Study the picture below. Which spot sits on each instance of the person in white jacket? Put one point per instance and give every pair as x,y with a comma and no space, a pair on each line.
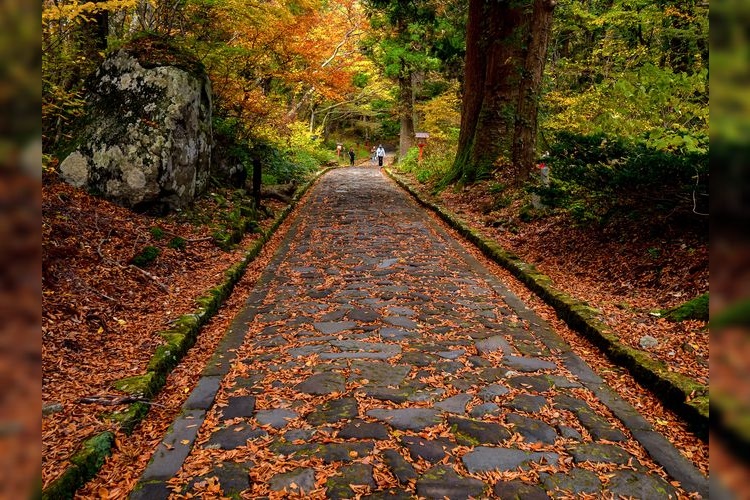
380,153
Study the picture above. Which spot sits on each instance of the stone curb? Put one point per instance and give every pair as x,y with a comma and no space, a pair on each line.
91,455
684,396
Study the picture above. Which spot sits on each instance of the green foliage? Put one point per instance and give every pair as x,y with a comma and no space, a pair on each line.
497,187
145,257
502,201
528,213
595,176
221,201
306,152
409,162
422,175
230,141
157,233
599,162
654,252
177,243
290,158
632,69
433,167
360,80
237,218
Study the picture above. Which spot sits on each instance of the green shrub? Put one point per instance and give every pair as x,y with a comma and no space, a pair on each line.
582,213
596,176
145,257
606,163
497,187
526,214
157,233
220,200
409,162
423,175
501,202
177,243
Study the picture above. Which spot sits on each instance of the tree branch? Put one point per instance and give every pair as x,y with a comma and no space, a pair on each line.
338,47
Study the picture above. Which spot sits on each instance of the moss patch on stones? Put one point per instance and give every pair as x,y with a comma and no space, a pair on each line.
696,308
86,462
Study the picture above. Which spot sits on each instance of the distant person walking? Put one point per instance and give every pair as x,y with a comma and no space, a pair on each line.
380,152
373,156
351,157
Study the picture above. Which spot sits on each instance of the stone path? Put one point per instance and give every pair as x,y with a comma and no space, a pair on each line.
378,358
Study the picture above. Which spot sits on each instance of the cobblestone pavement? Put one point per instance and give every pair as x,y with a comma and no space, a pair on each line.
377,358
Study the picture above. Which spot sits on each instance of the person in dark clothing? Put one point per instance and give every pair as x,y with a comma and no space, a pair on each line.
351,157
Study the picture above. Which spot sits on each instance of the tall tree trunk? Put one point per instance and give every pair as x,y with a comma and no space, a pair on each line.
406,112
475,71
490,71
494,134
501,87
417,85
257,175
524,135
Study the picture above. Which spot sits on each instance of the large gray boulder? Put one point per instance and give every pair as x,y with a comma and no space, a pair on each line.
147,139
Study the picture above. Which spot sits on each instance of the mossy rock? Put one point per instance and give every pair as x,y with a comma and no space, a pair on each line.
131,417
138,385
696,309
86,462
168,355
187,324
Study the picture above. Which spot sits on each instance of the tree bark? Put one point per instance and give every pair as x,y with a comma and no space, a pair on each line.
492,75
494,134
475,72
257,172
524,135
506,48
406,112
92,35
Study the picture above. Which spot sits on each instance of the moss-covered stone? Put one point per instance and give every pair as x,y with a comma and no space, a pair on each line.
64,487
86,463
147,139
187,324
137,385
696,308
166,356
131,417
235,272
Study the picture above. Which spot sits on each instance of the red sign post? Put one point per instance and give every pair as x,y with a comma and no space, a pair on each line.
421,142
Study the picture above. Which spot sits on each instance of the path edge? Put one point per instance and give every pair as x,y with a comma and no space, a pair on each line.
686,397
91,455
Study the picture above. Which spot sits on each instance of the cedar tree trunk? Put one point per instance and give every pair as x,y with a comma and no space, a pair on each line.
406,112
524,135
502,71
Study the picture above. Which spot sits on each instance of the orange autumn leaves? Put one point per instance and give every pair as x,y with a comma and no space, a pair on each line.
276,57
